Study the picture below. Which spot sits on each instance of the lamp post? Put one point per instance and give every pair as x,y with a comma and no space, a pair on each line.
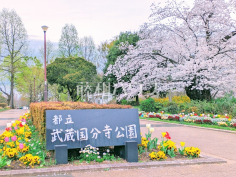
45,71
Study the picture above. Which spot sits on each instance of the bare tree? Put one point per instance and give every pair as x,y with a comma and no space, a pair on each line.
68,42
87,49
50,52
102,52
13,37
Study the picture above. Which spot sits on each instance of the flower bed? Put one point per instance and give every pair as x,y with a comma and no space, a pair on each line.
220,120
166,150
21,148
19,143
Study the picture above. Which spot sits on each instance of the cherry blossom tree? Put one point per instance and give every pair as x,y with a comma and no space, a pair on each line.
183,46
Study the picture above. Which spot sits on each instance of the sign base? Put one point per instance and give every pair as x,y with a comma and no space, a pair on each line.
61,154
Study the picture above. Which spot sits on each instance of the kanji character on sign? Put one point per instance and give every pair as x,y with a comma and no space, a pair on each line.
69,120
107,130
56,135
119,134
95,132
69,136
57,120
82,134
132,133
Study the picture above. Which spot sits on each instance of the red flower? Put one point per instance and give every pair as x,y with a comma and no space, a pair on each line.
20,125
7,129
167,136
195,114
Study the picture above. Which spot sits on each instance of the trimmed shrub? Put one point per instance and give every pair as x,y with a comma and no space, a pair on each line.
172,108
3,105
159,106
163,101
234,112
148,105
181,99
126,102
38,111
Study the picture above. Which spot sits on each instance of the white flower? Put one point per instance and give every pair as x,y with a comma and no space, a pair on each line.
23,123
97,149
151,130
97,153
99,157
148,125
87,155
108,150
8,124
104,153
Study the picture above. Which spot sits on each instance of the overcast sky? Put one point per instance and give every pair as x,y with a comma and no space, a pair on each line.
101,19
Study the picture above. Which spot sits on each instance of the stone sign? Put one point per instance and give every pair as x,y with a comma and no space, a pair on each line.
97,127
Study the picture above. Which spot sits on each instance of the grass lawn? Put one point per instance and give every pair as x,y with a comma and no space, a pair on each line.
188,123
3,110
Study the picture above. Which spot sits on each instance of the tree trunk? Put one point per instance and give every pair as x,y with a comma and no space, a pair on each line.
136,100
12,94
170,96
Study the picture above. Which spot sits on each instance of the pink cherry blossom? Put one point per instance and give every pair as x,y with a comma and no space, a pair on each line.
179,46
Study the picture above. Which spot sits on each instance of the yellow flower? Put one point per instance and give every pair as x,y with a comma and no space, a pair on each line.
17,122
28,134
182,144
163,134
229,119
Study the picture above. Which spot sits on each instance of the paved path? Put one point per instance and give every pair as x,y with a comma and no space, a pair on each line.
214,143
8,116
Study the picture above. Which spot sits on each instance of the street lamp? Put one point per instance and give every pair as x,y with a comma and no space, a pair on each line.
45,71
